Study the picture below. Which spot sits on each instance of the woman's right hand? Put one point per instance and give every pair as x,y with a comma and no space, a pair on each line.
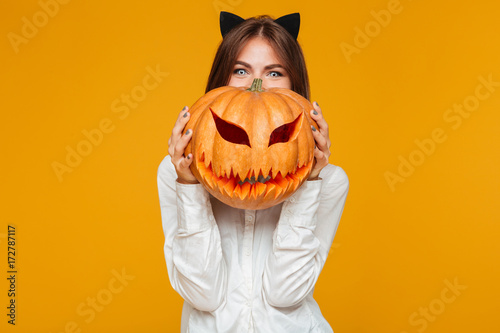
176,146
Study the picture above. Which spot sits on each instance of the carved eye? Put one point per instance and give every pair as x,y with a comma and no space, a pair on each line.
286,132
230,132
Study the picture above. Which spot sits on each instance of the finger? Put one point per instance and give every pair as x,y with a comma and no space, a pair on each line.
322,155
179,125
317,116
321,159
321,162
182,144
182,114
323,128
322,142
181,122
184,174
186,162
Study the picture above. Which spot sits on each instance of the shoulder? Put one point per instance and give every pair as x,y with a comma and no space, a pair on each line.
166,171
166,165
334,177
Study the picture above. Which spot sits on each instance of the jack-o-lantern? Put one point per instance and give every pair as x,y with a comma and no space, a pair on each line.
251,148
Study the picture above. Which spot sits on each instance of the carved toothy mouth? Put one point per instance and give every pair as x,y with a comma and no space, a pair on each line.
253,185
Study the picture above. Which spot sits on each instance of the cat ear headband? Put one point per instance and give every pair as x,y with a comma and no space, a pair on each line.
290,22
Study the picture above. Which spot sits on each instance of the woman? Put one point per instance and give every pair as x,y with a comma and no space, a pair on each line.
246,270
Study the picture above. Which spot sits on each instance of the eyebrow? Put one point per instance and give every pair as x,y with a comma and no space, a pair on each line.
239,62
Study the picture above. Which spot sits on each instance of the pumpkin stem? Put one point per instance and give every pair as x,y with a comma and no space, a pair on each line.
256,85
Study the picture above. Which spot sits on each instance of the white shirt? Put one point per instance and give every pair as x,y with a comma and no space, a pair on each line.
249,270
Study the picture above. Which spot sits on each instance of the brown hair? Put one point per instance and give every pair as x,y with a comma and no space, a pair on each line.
286,47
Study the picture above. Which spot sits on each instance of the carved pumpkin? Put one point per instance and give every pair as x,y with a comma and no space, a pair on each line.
251,148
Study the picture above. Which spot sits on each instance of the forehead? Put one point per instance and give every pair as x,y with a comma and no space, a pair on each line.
258,51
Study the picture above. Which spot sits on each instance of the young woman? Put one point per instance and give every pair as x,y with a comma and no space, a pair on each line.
246,270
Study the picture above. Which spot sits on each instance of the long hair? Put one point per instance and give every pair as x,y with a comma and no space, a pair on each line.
286,47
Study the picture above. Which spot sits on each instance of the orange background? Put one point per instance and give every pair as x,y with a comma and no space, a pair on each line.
422,212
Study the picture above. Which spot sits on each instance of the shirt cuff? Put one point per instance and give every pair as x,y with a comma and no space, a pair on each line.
194,211
300,209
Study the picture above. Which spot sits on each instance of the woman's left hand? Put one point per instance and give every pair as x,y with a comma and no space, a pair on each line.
322,150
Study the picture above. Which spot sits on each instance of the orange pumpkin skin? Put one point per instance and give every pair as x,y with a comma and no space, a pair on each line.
278,151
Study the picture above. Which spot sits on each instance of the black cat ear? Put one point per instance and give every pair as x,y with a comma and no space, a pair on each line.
291,23
228,21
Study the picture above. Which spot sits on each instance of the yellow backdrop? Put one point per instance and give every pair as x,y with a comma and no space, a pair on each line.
89,94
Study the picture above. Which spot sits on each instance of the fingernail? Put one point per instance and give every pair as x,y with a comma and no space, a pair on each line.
185,115
188,132
188,157
315,147
315,112
184,108
313,128
316,103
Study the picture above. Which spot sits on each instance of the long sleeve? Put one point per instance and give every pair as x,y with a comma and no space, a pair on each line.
193,254
303,237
